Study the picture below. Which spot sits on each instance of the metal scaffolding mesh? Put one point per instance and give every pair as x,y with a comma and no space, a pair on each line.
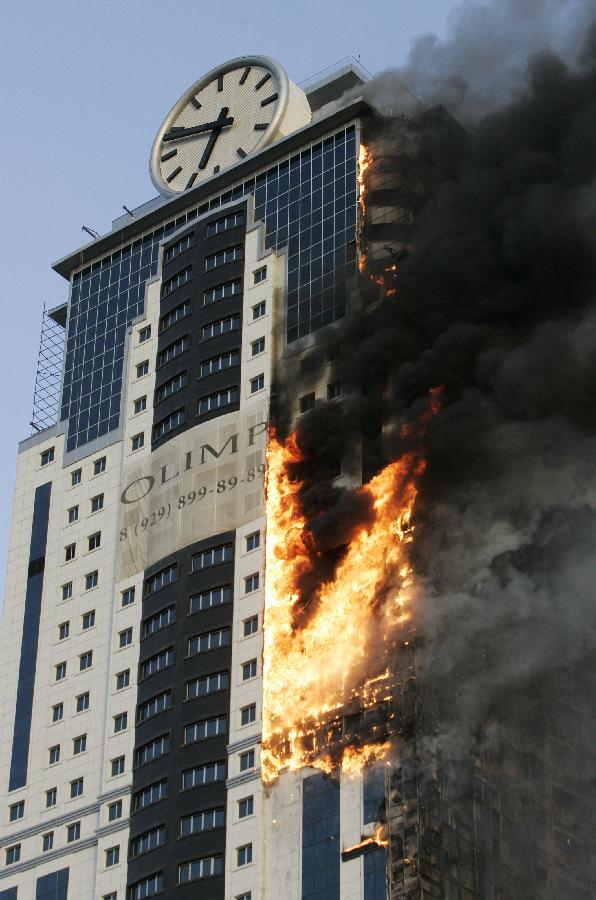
46,397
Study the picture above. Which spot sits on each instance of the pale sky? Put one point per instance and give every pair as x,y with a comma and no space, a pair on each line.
85,86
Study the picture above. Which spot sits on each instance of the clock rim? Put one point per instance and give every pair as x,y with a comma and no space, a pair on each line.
284,95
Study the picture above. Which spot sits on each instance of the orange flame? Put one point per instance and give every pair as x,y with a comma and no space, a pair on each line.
379,839
364,161
310,673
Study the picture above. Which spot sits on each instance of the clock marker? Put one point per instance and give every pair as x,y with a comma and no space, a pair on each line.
262,126
263,81
176,171
191,181
215,170
195,103
241,153
169,155
245,75
270,99
220,83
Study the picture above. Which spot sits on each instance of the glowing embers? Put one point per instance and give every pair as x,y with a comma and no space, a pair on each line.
326,657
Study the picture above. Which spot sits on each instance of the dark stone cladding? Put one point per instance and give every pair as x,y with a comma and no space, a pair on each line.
183,712
199,350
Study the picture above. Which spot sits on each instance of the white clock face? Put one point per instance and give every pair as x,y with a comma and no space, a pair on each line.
216,126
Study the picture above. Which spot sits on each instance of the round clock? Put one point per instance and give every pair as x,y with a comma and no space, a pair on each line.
227,115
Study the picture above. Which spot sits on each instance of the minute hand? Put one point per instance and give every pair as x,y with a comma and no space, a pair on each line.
176,134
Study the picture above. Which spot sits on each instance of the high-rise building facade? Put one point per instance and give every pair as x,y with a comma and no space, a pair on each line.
133,615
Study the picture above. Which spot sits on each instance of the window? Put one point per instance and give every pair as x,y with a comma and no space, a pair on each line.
122,679
257,346
85,660
67,590
73,832
137,441
221,362
251,583
173,350
128,596
60,670
76,476
219,400
143,368
91,580
16,810
120,722
153,750
221,326
88,619
79,744
222,291
200,868
63,631
207,684
117,766
171,386
157,663
207,820
47,456
70,552
247,760
308,364
160,620
95,540
13,854
76,788
248,714
156,705
260,275
245,807
115,811
250,626
230,254
212,557
148,841
57,712
249,669
213,640
113,895
51,797
164,426
97,503
207,728
205,774
99,465
224,224
82,702
150,795
140,404
175,315
73,514
207,599
257,384
179,247
259,310
47,841
245,896
176,281
334,390
148,887
144,333
244,855
112,856
161,579
307,402
125,638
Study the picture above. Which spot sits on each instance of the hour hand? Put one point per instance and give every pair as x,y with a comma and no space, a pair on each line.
175,133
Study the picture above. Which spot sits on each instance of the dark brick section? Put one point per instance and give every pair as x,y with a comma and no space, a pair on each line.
199,350
183,712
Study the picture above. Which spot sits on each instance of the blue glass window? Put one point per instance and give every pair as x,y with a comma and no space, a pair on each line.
320,838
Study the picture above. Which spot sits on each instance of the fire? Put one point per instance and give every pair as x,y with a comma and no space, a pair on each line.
364,161
338,657
378,839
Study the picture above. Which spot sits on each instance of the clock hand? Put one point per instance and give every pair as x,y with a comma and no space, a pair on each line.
218,125
175,134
